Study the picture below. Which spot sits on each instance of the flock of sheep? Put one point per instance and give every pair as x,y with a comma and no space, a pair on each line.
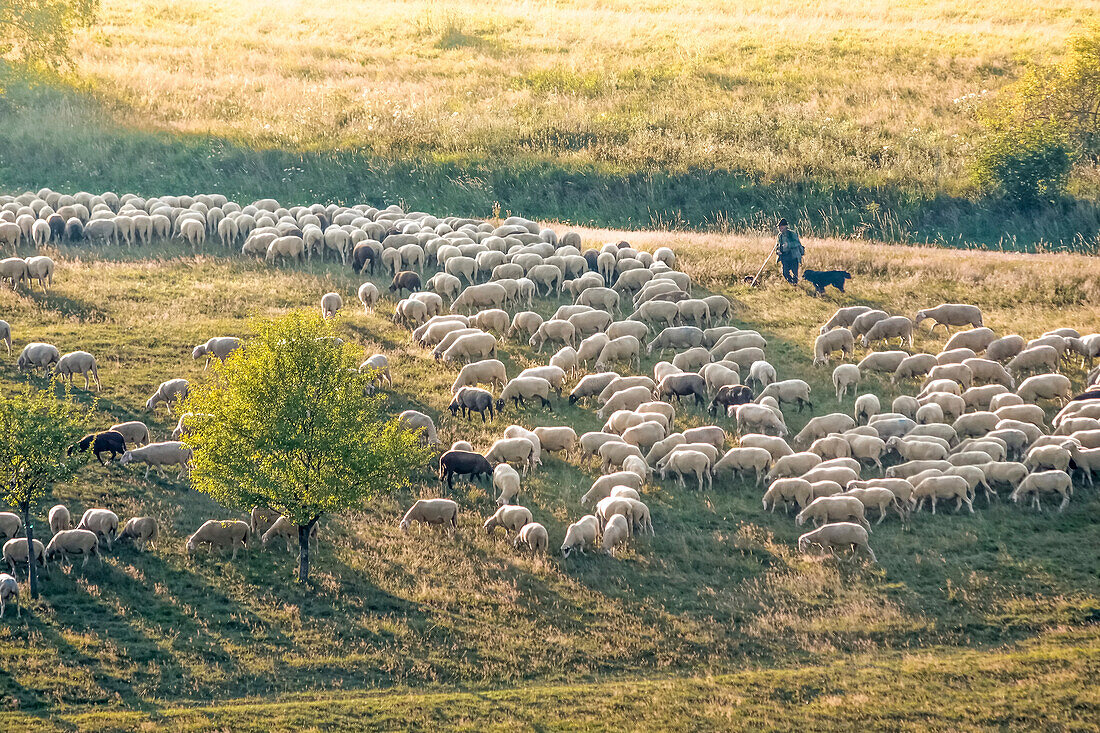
967,426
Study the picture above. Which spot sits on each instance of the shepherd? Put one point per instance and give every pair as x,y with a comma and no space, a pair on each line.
789,250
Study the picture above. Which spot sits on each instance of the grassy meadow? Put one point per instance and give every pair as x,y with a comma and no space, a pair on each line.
854,119
983,621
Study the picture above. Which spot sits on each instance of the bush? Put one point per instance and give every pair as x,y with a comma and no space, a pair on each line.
1030,163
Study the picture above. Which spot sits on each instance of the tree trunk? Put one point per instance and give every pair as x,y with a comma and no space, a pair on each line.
303,549
32,570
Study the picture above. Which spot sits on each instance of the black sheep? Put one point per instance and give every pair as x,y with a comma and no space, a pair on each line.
405,280
591,256
729,395
462,463
109,441
74,230
682,385
57,227
472,399
361,256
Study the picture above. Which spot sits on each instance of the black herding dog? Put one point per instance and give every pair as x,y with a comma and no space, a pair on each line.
822,279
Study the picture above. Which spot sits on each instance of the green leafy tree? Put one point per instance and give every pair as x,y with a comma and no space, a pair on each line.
288,426
36,429
1036,128
38,32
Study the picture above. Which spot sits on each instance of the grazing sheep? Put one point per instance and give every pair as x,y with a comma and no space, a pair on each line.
615,533
14,269
866,406
510,516
591,385
581,535
976,339
788,391
462,463
819,427
100,443
433,512
845,376
836,536
470,400
73,542
330,304
676,337
405,280
506,482
624,348
487,371
288,531
1035,358
1044,482
882,361
1045,457
173,389
368,296
745,459
682,385
554,331
103,522
899,327
143,531
1004,348
219,347
1046,387
533,536
935,488
261,519
219,533
916,365
417,421
839,339
628,398
59,518
789,491
684,462
833,509
844,317
514,450
9,591
5,335
761,373
521,389
41,269
752,417
905,405
37,354
950,314
556,439
156,455
15,553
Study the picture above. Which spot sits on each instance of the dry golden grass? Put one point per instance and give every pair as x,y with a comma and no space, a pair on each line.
859,90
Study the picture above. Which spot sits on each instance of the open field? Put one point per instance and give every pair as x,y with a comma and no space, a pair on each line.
970,621
856,119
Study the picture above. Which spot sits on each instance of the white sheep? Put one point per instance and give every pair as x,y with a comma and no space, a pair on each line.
330,304
844,317
15,553
844,377
5,335
951,314
37,354
833,509
581,535
685,462
219,533
143,531
1046,387
836,536
103,522
947,487
173,389
486,371
156,455
514,450
417,421
510,516
533,536
744,460
73,542
288,531
368,296
615,533
758,418
838,339
1044,482
433,512
59,518
866,406
9,591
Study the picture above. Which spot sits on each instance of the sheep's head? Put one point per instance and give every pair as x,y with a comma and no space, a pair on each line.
127,458
199,351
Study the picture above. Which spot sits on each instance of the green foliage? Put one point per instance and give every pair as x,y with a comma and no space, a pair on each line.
1039,126
1027,164
287,425
37,32
36,428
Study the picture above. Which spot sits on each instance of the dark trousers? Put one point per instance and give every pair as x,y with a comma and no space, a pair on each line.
790,270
